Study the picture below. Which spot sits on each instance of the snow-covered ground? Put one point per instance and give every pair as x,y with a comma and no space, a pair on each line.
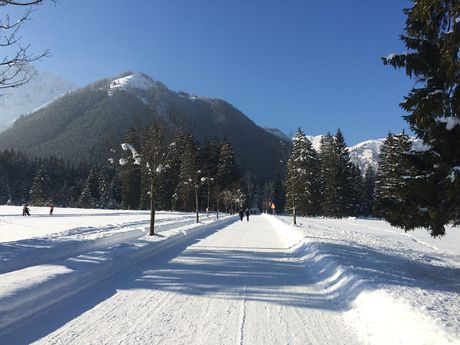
94,277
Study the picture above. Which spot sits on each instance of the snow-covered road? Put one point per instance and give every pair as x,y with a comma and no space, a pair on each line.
240,284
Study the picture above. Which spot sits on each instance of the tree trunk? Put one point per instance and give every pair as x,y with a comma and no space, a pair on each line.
196,205
152,208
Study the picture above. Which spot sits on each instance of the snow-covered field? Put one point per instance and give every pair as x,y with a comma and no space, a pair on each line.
94,277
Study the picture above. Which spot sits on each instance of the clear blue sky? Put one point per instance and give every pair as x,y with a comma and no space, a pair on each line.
308,63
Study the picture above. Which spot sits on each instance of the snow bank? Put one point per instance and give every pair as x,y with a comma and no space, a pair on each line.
33,289
392,287
381,319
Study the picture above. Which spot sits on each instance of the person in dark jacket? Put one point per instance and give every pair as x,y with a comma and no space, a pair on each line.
25,210
241,215
247,214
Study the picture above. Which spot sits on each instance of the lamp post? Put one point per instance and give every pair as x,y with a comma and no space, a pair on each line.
196,195
208,180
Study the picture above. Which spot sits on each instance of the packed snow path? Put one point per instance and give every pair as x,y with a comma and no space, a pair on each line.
237,285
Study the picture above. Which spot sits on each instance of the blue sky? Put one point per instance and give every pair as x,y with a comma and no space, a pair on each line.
285,64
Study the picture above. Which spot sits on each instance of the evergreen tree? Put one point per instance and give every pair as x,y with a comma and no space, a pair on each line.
367,193
228,172
347,178
328,173
90,195
356,191
104,190
40,188
432,37
302,183
188,176
393,199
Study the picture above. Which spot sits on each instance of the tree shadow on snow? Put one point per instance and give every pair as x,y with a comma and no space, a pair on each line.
269,275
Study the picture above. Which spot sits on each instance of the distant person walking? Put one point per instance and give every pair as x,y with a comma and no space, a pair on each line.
25,210
247,214
51,206
241,215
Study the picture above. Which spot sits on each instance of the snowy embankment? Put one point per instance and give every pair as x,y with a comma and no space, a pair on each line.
394,288
38,272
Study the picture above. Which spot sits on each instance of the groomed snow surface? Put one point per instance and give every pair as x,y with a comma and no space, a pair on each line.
96,277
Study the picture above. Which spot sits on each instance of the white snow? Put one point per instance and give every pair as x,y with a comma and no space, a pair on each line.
315,141
132,81
451,122
94,277
390,57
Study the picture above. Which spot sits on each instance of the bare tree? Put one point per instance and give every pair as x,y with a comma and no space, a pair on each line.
14,59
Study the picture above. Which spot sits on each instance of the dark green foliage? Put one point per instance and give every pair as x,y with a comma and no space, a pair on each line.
432,37
40,181
189,175
393,197
367,192
302,183
91,195
39,191
329,181
279,194
341,181
228,172
347,178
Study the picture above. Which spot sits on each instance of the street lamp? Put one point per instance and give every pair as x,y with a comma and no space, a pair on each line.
208,180
196,195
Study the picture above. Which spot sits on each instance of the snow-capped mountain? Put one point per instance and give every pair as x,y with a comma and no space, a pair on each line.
366,154
42,89
84,125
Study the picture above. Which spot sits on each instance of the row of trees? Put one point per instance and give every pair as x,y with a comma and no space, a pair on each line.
180,175
327,183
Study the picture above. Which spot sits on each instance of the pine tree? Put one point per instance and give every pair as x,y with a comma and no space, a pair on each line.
104,190
346,178
188,176
40,188
228,172
393,197
367,193
302,182
328,173
432,37
355,188
90,195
